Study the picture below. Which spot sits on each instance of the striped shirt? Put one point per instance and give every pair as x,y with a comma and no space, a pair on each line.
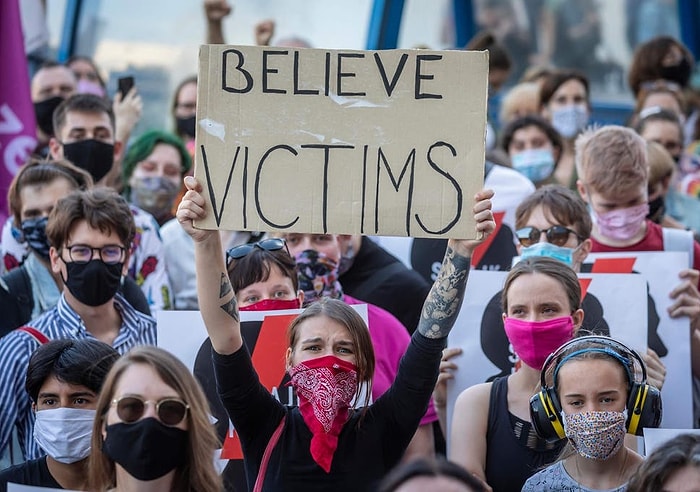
16,348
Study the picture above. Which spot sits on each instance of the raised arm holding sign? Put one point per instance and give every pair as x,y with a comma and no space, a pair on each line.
312,448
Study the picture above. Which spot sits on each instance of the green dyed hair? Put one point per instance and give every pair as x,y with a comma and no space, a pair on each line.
144,145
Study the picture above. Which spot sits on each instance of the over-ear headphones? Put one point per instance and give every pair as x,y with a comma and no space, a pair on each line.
643,404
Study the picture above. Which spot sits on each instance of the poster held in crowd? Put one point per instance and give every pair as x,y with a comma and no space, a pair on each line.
486,351
337,141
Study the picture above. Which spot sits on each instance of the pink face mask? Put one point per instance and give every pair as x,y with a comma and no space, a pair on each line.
533,341
272,305
621,224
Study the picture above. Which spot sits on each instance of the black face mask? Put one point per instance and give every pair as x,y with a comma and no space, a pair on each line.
680,73
146,449
91,155
34,232
186,126
93,283
44,113
657,209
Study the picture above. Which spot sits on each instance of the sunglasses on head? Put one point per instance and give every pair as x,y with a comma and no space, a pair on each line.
242,250
170,411
557,235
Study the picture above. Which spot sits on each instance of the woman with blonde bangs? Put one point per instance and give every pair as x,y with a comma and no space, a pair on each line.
152,430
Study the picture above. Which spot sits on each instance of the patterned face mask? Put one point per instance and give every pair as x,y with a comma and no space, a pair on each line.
325,387
596,435
318,276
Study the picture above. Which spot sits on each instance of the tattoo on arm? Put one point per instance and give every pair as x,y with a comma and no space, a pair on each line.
225,286
445,298
231,308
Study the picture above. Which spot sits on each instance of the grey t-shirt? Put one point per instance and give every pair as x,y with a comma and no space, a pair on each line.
555,478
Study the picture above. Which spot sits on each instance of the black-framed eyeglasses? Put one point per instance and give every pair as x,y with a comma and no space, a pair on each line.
170,411
557,235
82,253
242,250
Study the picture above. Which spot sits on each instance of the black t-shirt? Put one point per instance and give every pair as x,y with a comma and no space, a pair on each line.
381,279
34,472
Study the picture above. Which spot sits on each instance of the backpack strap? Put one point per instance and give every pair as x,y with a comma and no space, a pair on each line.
679,240
266,455
35,334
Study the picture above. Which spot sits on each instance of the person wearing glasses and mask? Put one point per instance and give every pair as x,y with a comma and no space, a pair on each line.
152,430
90,232
64,378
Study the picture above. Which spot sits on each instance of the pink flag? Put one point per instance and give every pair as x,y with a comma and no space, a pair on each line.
17,124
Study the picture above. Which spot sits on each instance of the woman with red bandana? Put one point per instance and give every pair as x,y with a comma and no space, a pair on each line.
324,443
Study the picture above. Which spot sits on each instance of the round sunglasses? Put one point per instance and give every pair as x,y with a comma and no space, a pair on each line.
170,411
557,235
270,244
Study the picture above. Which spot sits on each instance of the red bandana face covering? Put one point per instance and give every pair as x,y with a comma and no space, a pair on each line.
272,305
325,387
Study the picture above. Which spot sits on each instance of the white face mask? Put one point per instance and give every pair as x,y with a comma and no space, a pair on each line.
65,433
569,120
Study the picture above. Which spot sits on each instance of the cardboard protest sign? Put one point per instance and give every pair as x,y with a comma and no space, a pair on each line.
183,334
486,352
325,141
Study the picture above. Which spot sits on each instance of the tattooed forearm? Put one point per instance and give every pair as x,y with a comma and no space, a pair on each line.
445,298
231,308
225,286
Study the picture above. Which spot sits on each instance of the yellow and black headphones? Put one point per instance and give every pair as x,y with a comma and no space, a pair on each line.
643,404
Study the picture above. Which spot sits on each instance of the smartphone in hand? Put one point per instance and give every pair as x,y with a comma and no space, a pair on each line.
124,85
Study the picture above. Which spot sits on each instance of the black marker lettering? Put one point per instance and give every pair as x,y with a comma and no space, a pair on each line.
296,78
266,71
212,197
458,189
245,189
421,76
411,159
341,75
390,86
257,188
364,188
328,75
326,159
239,68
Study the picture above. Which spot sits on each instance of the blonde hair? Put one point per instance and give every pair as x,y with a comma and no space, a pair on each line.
611,159
513,100
661,163
198,473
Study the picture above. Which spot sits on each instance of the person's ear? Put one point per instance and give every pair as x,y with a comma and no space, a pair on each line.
118,149
127,257
581,190
288,359
55,148
582,252
34,406
300,297
578,320
503,317
54,257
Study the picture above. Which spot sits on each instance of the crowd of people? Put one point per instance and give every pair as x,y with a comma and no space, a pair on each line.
101,237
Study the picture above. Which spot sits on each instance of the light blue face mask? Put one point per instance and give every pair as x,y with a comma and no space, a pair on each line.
543,248
535,164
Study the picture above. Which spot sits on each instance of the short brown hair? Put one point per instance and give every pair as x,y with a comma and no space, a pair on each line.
43,172
646,62
345,315
555,269
198,473
256,265
565,206
612,159
81,103
661,164
556,79
102,208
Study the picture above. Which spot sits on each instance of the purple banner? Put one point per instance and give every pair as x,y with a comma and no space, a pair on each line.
17,124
